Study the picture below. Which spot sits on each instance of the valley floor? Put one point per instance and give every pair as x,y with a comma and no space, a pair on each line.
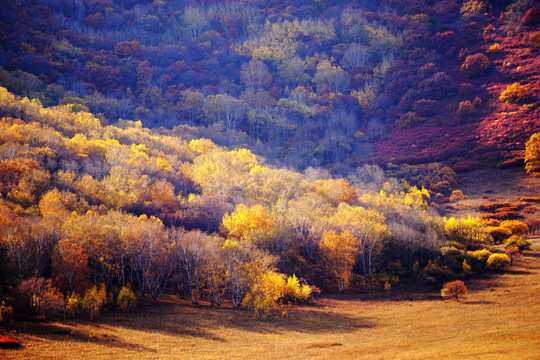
498,320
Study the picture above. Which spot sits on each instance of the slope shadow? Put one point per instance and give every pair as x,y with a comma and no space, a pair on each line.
168,318
199,320
56,332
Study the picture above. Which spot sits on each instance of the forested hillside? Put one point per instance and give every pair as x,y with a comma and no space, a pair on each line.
255,151
306,83
84,204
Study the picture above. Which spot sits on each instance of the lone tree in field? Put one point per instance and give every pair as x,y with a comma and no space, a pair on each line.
454,289
458,195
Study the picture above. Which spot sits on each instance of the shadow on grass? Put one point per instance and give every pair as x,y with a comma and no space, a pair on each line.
183,319
517,272
477,302
67,332
168,318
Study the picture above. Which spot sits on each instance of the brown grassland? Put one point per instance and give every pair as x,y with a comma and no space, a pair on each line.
499,319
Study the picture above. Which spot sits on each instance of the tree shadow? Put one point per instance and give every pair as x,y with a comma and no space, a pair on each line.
517,272
172,319
68,332
185,319
305,319
477,302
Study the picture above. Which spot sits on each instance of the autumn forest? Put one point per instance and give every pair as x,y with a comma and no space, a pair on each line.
258,154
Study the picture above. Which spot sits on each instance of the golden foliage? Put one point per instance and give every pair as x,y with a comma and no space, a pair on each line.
245,220
126,299
532,154
340,252
497,262
94,300
514,93
334,191
467,231
266,288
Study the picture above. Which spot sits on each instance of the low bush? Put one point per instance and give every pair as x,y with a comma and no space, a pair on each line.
465,109
294,292
516,227
475,65
495,207
408,120
435,274
505,215
493,48
499,234
519,242
529,199
7,342
529,210
6,312
480,255
497,262
514,93
126,300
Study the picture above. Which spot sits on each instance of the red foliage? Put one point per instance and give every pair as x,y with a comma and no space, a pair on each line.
11,171
128,48
531,17
509,215
530,199
7,342
529,210
501,207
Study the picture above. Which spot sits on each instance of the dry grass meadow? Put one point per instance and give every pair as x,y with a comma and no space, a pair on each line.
498,320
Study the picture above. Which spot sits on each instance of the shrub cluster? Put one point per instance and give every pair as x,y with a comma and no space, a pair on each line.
514,93
497,262
409,120
475,65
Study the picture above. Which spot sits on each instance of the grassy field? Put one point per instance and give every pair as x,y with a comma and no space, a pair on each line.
498,320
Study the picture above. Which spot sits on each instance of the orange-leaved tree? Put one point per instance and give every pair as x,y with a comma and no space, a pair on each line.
454,289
